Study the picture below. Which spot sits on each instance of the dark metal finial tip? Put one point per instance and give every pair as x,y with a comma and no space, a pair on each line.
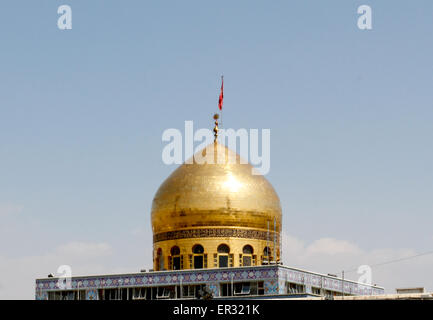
215,129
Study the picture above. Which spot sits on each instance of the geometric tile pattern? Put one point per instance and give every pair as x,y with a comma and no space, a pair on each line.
271,286
273,276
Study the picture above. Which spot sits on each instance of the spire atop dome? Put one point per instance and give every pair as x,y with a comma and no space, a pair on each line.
215,129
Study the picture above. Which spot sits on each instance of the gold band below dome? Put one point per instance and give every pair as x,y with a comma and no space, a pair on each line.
216,233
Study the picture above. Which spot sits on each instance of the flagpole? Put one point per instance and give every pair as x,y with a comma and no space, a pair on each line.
222,84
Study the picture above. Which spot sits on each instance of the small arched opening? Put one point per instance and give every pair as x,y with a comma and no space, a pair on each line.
198,256
223,255
175,258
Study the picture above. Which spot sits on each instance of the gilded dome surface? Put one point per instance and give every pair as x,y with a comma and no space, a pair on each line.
224,194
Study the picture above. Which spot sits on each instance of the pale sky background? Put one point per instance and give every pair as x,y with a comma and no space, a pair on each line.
82,113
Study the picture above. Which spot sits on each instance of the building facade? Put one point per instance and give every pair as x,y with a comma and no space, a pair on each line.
270,281
216,233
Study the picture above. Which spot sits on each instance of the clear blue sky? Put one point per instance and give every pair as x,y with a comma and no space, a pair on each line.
82,113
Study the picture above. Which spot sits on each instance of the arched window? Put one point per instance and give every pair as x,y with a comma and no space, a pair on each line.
175,251
223,255
267,255
223,248
198,256
197,249
248,249
175,258
247,256
159,260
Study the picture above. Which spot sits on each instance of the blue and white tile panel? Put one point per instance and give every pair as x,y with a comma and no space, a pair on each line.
329,283
274,278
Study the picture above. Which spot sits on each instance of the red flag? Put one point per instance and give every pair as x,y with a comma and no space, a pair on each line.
220,103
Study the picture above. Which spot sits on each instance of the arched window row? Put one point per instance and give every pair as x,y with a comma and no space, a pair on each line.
198,259
222,248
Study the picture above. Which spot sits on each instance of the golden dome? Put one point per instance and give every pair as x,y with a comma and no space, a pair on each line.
225,194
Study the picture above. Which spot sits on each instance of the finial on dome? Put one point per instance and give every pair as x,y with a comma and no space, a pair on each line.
215,129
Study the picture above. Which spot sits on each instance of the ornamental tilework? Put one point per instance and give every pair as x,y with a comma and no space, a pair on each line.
41,295
282,286
214,288
271,287
262,273
162,279
92,295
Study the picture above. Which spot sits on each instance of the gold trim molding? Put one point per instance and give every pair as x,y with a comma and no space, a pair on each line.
216,233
